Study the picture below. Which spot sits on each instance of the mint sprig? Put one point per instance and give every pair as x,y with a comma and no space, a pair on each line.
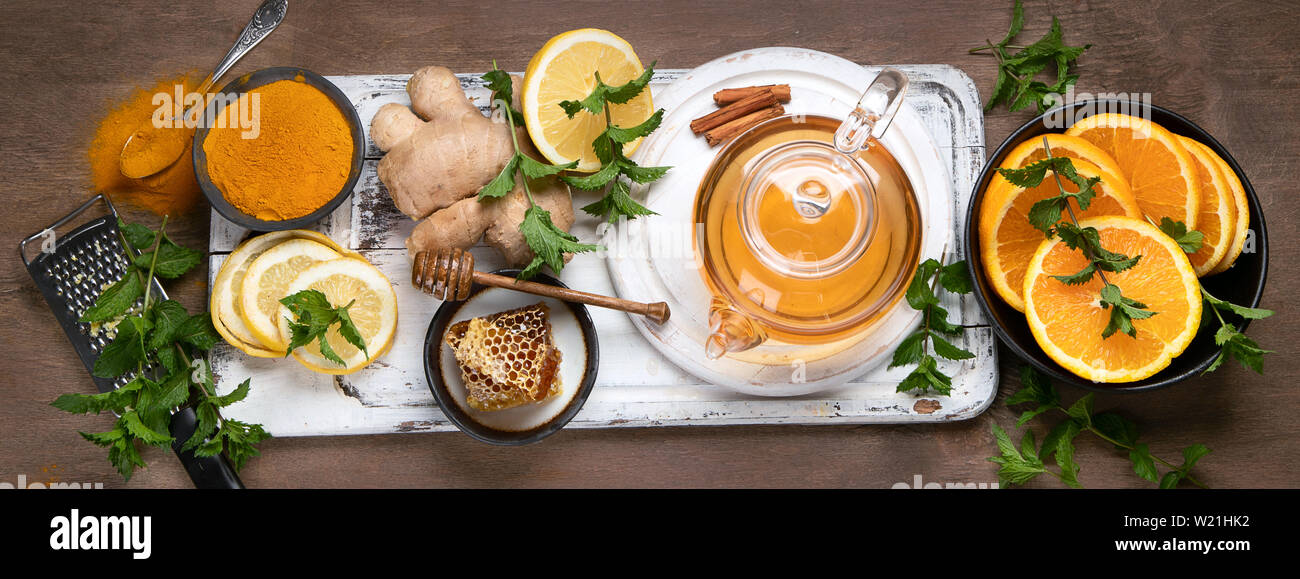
1019,465
608,145
1016,84
1045,215
548,242
935,327
313,316
159,334
1232,342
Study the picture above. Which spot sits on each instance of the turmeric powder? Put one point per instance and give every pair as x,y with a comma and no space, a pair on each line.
172,191
299,159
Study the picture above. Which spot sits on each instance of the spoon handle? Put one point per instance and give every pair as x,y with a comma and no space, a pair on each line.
268,16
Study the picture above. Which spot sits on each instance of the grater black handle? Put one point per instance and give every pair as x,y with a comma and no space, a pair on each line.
207,472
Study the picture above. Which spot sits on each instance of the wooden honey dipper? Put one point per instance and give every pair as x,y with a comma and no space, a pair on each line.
449,274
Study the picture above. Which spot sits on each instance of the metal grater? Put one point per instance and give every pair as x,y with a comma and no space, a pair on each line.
71,270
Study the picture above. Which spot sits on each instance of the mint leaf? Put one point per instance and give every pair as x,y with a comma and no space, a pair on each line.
130,422
1143,464
137,236
503,183
534,169
617,202
627,135
1122,311
173,260
125,353
117,299
910,350
548,242
595,180
1189,241
1243,311
313,317
955,278
197,331
945,349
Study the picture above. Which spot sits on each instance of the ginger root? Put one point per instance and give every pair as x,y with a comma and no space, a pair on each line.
440,152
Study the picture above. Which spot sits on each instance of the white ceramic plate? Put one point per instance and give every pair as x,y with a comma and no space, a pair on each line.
820,84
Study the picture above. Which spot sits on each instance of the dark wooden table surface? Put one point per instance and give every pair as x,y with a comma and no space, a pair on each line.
1227,65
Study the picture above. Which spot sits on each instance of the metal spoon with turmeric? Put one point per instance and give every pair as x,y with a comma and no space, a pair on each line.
153,148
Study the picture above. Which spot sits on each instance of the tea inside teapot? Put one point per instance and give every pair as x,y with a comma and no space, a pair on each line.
801,243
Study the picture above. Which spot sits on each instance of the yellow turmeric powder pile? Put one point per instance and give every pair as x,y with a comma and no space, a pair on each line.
296,159
173,191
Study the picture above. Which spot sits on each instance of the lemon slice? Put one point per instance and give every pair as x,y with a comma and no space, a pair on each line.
564,69
267,281
373,311
225,303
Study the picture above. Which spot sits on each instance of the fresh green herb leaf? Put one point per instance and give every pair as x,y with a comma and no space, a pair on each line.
117,299
534,169
1016,467
955,278
1243,311
313,318
549,242
503,183
172,262
935,325
126,352
617,202
1115,429
1189,241
503,88
1143,465
1122,311
137,236
130,422
596,180
1015,82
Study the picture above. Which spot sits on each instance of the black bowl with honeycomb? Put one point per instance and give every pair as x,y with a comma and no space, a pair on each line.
551,343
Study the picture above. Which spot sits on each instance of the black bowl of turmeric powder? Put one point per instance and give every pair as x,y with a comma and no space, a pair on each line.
279,148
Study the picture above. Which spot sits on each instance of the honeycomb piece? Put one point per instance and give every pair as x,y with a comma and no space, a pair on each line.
507,359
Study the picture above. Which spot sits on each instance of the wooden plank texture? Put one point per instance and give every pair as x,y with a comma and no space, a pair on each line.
1227,65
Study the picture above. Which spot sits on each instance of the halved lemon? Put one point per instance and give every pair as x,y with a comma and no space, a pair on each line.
1159,170
225,304
1008,240
564,69
1067,320
267,280
373,311
1217,219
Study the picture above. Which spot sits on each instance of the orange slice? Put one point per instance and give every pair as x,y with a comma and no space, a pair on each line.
1242,211
1217,218
1007,240
1067,320
1159,170
1031,151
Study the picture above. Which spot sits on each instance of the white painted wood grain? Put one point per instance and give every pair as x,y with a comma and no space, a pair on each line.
636,386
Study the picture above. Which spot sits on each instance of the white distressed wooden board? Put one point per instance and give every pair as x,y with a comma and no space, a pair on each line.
636,386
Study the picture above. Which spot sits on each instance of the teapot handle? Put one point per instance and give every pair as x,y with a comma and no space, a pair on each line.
873,113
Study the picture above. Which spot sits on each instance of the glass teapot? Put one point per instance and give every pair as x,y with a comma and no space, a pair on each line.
810,227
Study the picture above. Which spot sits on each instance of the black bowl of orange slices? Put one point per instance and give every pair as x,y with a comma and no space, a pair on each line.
1145,156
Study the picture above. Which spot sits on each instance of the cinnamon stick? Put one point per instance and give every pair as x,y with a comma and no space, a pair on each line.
727,96
728,131
761,99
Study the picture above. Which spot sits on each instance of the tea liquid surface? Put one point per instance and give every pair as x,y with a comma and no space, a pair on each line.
783,264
